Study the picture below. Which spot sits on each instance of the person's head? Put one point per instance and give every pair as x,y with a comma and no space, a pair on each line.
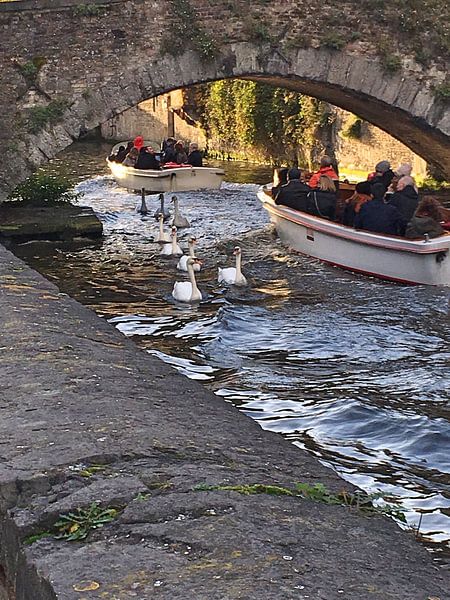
378,191
121,149
280,176
134,152
363,187
325,161
404,169
171,141
293,173
149,150
430,207
143,150
383,166
179,146
193,147
326,184
404,182
129,146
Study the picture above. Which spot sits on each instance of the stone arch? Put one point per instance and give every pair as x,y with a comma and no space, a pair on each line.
403,103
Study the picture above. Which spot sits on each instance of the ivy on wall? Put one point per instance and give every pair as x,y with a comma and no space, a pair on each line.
246,119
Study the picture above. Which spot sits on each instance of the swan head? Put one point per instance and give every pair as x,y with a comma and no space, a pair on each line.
161,197
237,250
161,217
174,231
174,199
192,240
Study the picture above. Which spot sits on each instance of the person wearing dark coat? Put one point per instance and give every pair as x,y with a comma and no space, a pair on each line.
378,217
294,192
147,159
383,174
168,151
195,157
321,202
405,199
426,220
280,178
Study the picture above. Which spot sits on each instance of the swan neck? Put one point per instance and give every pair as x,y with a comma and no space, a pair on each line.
238,264
192,279
191,250
161,228
175,205
174,243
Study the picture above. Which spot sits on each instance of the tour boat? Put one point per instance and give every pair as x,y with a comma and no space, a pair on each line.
183,178
424,261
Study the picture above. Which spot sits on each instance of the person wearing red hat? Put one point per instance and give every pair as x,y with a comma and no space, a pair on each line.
138,142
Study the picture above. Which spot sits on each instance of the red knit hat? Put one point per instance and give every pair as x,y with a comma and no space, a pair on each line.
138,142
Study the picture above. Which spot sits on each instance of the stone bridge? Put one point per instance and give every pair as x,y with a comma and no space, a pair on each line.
68,67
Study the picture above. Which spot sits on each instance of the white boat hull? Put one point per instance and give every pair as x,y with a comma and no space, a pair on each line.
183,179
386,257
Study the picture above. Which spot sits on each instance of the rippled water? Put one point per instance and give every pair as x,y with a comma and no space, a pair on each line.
352,369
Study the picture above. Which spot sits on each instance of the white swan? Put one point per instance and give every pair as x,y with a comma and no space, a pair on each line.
162,236
187,291
233,275
162,210
178,220
182,263
172,248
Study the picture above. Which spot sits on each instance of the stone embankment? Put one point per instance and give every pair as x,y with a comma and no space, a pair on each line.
87,418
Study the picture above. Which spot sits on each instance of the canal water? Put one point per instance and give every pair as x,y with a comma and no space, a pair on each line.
352,369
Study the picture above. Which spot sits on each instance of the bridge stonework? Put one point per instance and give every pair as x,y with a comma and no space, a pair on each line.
83,64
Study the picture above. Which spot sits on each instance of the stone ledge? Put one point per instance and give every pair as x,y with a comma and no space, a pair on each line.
40,5
76,392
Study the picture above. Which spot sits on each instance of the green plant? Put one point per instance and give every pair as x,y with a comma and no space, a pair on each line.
442,91
300,40
354,130
334,41
88,10
248,490
42,190
35,538
256,30
40,116
78,524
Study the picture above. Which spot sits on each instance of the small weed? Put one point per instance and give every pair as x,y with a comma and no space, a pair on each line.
88,10
78,524
160,485
42,189
249,489
300,40
390,60
35,538
256,30
354,131
334,41
442,91
142,497
40,116
92,470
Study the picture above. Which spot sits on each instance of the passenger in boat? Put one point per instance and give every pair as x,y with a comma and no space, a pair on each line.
326,168
426,220
322,200
131,157
405,170
195,157
168,149
352,205
113,157
147,159
123,151
383,174
406,198
379,217
138,142
280,178
294,192
180,153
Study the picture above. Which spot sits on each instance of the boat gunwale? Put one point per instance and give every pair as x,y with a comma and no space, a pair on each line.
154,174
358,236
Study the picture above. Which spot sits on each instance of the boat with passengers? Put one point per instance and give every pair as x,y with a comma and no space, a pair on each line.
418,261
179,178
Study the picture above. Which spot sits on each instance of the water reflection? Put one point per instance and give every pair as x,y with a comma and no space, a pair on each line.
351,369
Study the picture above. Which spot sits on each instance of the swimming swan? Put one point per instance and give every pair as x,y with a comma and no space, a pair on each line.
172,248
162,236
187,291
182,263
162,210
178,220
233,275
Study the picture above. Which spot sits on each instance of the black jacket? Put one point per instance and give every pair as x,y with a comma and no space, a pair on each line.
195,159
146,161
293,194
405,201
419,226
322,204
386,178
379,217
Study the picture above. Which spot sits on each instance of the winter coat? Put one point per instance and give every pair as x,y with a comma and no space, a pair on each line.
405,201
293,194
321,204
419,226
195,159
147,161
353,206
384,178
379,217
329,171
